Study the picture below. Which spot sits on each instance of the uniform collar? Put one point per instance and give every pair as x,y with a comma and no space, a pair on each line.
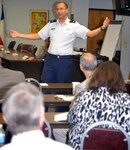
66,21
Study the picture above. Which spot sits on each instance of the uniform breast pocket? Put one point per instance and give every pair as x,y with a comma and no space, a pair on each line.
52,32
68,33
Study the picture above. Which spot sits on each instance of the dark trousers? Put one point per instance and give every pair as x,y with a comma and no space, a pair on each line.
57,69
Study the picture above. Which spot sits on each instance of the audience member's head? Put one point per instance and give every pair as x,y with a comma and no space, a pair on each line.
108,74
23,108
88,63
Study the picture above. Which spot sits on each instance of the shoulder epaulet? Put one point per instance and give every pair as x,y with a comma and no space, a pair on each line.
53,21
72,21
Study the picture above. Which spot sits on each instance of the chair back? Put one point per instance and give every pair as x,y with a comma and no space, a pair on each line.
8,136
19,47
128,87
34,82
46,129
11,45
104,138
27,48
5,63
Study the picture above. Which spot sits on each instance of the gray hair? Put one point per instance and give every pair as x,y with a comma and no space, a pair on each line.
88,61
21,107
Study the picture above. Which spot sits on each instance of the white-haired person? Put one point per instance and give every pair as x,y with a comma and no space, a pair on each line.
23,111
88,63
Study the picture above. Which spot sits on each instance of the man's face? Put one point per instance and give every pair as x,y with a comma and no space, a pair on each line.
61,10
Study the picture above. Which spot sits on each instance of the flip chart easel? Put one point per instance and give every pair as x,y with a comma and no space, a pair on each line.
111,39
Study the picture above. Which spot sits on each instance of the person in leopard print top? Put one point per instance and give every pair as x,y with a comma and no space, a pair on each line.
105,99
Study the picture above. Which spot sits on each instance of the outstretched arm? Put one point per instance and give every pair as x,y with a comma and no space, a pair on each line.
95,32
33,36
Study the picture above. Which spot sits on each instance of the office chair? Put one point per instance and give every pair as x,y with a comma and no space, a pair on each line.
99,136
34,82
11,45
5,63
128,87
46,129
19,47
27,48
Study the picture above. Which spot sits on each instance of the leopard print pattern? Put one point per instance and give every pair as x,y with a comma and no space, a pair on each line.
92,106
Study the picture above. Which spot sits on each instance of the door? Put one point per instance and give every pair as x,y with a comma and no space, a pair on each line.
95,20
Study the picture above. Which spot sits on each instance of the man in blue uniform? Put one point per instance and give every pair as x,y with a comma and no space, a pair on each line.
62,33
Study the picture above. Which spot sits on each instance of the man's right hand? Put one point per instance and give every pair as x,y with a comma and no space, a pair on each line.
31,36
13,34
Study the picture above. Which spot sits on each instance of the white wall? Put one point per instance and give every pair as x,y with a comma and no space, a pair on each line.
101,4
80,10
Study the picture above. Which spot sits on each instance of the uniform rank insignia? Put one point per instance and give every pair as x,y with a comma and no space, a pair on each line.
53,21
72,21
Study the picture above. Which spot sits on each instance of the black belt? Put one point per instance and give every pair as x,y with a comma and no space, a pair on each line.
60,56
